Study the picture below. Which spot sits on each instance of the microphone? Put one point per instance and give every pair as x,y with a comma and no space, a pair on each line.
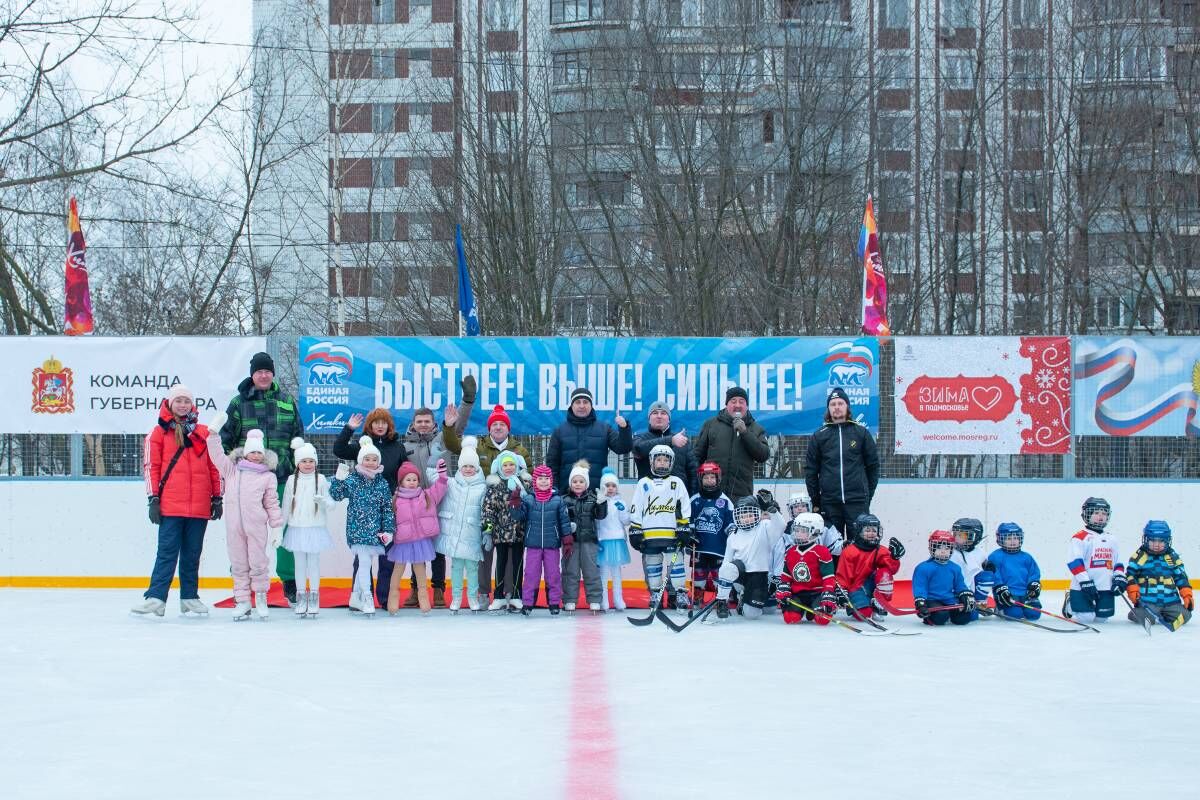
737,415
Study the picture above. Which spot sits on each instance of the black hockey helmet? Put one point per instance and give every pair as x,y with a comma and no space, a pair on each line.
746,513
863,525
1092,505
971,530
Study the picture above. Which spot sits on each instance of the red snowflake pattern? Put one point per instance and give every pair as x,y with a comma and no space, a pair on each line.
1046,394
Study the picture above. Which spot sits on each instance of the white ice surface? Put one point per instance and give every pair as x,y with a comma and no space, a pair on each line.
96,704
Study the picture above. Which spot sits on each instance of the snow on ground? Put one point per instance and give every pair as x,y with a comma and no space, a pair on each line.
97,704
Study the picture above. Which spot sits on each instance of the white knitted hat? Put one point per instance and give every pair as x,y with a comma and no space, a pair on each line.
469,456
366,447
254,443
303,450
580,469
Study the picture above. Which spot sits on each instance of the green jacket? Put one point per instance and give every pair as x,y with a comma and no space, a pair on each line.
274,412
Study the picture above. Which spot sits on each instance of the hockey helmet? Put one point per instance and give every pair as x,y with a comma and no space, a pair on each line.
968,533
941,546
1005,533
1091,506
1156,530
867,531
661,451
806,528
747,513
799,503
709,468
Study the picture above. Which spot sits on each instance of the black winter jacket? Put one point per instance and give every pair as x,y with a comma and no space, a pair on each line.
842,464
584,438
584,511
686,466
736,455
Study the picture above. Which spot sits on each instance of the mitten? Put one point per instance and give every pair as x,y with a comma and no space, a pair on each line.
441,467
568,545
1088,587
1003,595
1119,583
469,389
343,472
514,499
895,548
1034,590
601,497
487,542
274,537
922,606
217,421
1185,594
216,508
1134,591
385,537
154,510
513,483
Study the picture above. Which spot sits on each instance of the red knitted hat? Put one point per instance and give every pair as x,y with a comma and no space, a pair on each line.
407,468
499,415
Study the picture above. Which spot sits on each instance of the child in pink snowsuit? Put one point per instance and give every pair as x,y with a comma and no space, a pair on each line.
252,515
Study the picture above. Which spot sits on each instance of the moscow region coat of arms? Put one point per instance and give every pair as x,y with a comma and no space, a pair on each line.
53,388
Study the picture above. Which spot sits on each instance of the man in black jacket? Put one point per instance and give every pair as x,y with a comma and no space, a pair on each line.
735,442
659,432
842,465
583,437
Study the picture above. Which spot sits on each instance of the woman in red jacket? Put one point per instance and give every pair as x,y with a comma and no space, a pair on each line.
184,491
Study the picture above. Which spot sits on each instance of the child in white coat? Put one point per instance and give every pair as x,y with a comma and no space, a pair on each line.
461,539
305,503
611,530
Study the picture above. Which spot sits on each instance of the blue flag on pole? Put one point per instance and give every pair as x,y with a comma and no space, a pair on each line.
468,316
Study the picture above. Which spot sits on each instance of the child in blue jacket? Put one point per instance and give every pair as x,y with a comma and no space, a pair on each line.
938,582
1017,575
549,534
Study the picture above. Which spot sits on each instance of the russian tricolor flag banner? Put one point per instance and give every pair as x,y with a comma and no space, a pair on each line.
1145,386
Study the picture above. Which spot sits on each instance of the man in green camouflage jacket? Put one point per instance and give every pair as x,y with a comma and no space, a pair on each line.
261,403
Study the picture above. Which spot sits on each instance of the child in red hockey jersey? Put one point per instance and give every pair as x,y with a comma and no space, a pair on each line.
807,576
861,564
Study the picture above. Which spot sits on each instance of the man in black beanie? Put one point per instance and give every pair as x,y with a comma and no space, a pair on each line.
262,403
842,465
735,442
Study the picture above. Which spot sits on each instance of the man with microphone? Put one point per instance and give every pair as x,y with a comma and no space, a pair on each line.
735,442
659,432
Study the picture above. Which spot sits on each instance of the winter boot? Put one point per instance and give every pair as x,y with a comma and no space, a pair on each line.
439,596
314,604
411,601
151,605
301,606
260,605
241,612
192,608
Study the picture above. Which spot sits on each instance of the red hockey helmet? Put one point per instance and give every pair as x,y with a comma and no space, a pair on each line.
709,468
941,545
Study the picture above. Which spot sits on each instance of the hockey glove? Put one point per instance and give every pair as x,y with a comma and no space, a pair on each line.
766,501
683,538
895,548
828,606
967,601
782,595
1088,587
1034,591
636,540
1185,594
568,545
987,565
154,510
922,606
841,596
216,508
1118,584
1134,591
1003,596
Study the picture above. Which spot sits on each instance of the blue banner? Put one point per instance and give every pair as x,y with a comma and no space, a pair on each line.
787,379
1144,386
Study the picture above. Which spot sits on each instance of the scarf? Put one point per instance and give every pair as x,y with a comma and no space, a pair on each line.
247,465
369,474
188,424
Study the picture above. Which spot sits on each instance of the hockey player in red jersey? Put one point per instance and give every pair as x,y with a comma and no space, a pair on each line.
807,576
862,561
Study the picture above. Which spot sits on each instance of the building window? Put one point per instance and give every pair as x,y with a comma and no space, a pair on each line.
563,11
1025,193
894,14
894,131
383,173
1026,133
383,227
895,71
1107,312
502,73
1027,315
959,13
383,117
895,193
383,12
1027,13
958,132
1027,68
571,68
959,193
1029,256
502,15
958,70
768,127
383,64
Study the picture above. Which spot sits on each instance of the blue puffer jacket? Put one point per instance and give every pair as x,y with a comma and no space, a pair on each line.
584,438
545,523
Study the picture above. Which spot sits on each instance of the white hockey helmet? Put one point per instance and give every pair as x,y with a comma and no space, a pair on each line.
806,528
661,451
799,503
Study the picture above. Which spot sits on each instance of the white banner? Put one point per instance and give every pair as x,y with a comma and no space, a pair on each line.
94,384
983,394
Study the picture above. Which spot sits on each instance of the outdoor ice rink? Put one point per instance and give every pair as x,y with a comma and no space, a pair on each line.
97,704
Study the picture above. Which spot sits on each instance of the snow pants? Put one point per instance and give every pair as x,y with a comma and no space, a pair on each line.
541,561
180,540
248,559
582,561
1173,615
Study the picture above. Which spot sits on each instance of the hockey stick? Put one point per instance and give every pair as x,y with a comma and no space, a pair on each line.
656,604
846,625
1055,616
1000,615
854,613
1146,623
699,616
900,612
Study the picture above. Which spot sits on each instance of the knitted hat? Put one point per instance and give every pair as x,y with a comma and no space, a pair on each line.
303,450
542,471
261,361
736,391
608,477
659,405
506,455
254,443
179,390
366,447
407,468
469,457
586,394
499,415
581,469
837,391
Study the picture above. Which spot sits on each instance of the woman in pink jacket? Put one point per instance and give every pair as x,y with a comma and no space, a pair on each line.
253,518
416,529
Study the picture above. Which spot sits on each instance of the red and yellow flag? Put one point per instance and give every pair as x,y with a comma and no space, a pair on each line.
874,306
78,295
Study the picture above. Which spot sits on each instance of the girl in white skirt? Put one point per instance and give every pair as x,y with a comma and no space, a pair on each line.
305,502
611,530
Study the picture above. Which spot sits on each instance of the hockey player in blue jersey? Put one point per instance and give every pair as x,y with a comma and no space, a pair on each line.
938,582
1158,584
712,517
971,558
1018,577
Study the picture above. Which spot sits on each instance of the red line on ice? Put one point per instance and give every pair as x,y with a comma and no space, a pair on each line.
592,762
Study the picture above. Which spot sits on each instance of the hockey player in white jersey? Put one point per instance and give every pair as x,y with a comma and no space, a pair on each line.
660,524
747,561
972,559
1097,574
